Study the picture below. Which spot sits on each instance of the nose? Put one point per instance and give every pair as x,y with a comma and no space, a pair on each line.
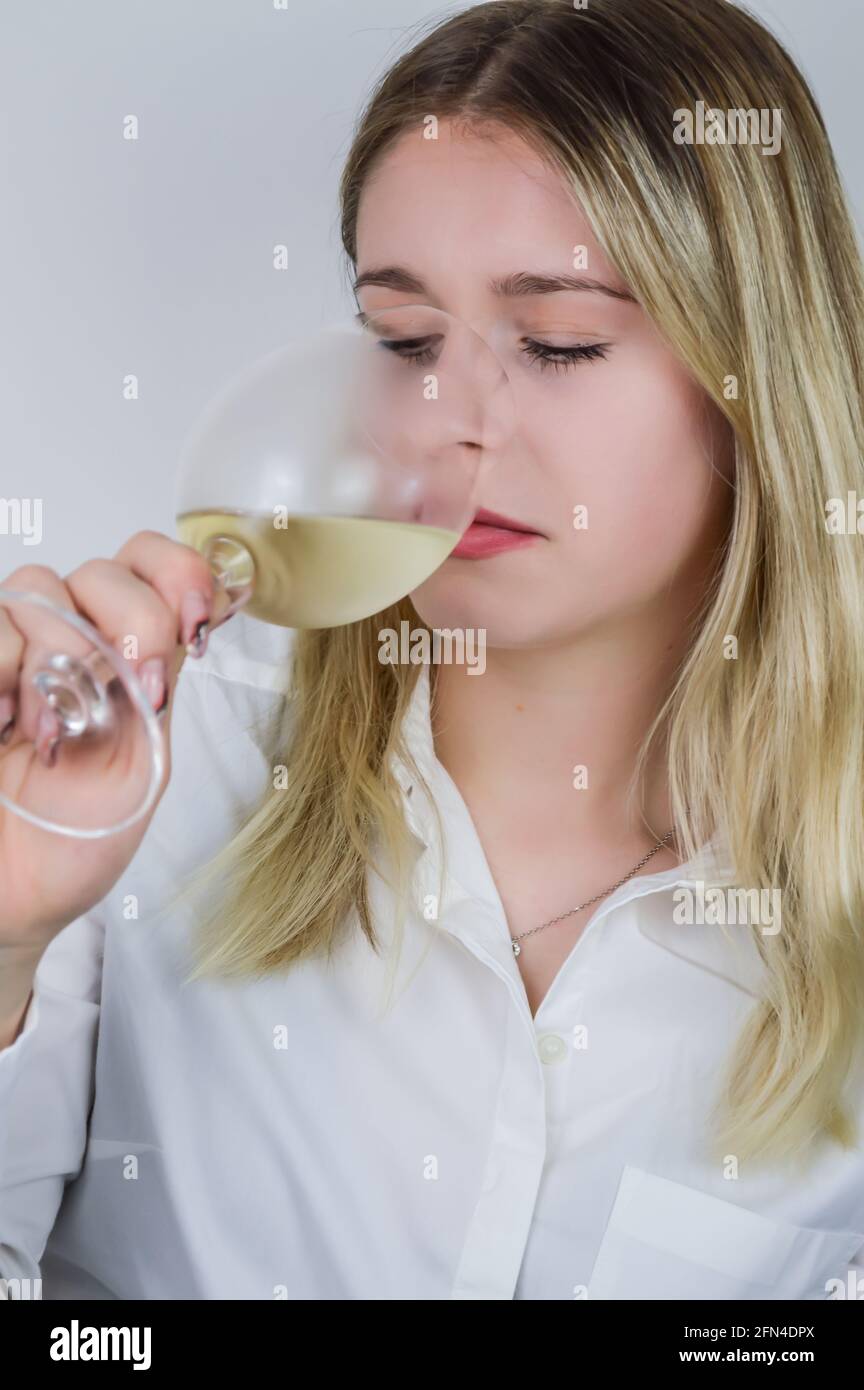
440,408
467,391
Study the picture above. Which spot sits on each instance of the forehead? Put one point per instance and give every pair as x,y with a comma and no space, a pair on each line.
470,205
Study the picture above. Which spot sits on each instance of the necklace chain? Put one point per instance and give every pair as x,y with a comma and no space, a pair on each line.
514,940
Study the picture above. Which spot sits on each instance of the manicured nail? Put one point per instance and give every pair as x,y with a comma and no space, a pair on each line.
151,674
198,644
7,717
194,612
47,741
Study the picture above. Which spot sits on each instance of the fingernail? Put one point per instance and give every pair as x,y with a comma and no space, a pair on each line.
198,644
7,717
194,611
47,741
151,674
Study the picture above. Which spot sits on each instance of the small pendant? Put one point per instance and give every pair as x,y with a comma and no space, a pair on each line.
517,949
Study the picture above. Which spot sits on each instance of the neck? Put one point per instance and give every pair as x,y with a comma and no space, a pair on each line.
512,736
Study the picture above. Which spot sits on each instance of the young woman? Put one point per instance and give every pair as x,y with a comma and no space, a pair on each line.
332,1074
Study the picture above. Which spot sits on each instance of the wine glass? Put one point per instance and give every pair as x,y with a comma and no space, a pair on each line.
76,700
323,483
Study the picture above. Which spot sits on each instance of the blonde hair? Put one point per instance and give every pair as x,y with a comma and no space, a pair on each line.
748,265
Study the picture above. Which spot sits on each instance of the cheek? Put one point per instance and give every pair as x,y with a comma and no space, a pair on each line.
632,443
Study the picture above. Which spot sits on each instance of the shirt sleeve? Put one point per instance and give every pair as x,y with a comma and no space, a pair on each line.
46,1092
225,706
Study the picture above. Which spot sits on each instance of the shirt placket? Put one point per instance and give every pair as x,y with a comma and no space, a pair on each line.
539,1053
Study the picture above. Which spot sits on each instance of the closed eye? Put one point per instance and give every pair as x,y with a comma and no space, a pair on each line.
547,355
422,351
418,351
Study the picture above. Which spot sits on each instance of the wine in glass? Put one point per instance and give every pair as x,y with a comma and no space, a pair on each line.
324,483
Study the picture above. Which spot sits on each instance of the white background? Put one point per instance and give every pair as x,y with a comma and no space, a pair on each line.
155,256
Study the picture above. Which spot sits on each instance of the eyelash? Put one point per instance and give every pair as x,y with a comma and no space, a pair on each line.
563,357
544,354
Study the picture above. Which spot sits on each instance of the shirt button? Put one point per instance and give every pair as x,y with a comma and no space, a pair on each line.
552,1048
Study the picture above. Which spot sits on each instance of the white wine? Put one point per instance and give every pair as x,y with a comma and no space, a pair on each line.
322,571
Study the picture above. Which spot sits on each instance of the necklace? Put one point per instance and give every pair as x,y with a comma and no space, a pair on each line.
514,940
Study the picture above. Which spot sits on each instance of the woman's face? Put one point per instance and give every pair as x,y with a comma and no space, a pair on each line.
624,433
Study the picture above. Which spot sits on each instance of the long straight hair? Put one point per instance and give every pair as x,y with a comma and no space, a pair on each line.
747,263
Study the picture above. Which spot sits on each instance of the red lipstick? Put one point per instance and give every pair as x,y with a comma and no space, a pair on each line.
491,534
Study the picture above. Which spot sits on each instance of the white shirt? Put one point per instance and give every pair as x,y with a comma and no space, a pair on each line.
451,1147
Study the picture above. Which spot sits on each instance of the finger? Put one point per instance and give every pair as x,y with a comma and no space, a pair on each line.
11,651
32,633
121,605
184,579
33,615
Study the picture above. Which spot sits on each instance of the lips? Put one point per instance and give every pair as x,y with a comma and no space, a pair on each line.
492,534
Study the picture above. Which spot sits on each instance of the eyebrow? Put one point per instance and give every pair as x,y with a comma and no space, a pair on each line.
518,285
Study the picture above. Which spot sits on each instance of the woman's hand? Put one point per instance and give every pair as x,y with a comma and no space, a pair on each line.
159,593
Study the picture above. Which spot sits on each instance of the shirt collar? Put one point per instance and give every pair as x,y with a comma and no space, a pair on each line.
732,954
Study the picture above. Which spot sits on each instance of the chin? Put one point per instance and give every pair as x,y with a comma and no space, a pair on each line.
458,605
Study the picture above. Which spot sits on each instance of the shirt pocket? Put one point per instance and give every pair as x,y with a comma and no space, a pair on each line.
666,1240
